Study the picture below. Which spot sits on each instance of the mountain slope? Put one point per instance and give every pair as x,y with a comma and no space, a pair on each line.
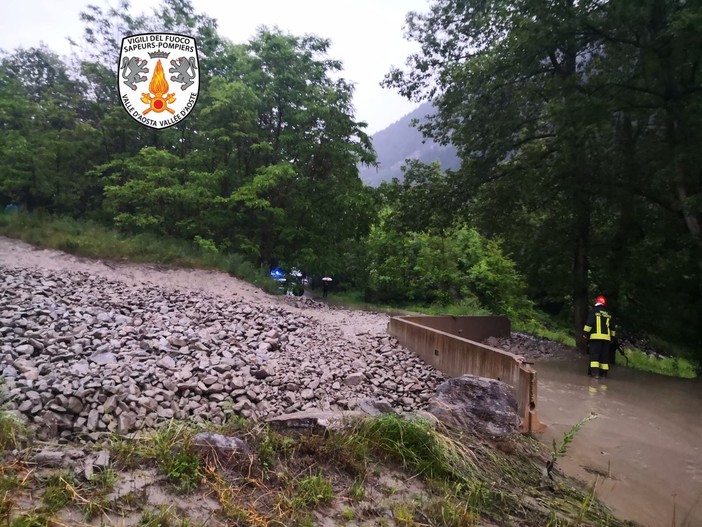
401,141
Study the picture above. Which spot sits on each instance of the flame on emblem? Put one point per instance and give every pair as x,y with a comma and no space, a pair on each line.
158,87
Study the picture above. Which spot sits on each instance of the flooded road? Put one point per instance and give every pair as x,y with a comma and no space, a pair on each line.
647,437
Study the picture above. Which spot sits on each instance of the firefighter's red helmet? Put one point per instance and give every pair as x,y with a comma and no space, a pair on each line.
601,300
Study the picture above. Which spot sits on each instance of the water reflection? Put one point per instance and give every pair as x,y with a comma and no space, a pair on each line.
644,447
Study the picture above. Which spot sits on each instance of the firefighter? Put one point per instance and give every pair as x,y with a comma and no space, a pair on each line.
599,332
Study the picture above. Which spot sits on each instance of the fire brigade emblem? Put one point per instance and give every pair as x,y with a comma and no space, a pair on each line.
158,78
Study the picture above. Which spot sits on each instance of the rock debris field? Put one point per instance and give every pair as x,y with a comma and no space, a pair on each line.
82,353
88,347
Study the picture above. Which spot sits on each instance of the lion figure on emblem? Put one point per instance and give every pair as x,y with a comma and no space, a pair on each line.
185,68
136,67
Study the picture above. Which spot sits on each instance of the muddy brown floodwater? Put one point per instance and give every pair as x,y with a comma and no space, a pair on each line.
644,449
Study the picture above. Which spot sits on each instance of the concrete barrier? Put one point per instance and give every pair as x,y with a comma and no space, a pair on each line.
452,345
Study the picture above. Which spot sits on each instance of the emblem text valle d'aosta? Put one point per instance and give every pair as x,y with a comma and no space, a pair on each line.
159,78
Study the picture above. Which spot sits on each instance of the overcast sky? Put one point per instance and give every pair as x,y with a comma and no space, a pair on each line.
366,35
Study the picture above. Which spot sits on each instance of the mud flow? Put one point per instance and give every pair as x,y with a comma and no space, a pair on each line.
644,449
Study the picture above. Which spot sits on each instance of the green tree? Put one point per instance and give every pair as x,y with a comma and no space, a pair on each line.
650,243
97,56
427,199
458,267
16,117
47,145
152,191
292,153
272,170
575,121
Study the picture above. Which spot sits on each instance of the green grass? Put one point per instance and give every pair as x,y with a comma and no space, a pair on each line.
170,448
8,482
353,299
163,517
560,449
537,325
418,447
90,239
311,490
13,432
58,491
457,479
273,446
443,511
104,481
357,490
34,518
672,366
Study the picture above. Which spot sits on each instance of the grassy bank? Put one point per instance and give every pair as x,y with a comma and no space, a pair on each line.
389,470
671,366
89,239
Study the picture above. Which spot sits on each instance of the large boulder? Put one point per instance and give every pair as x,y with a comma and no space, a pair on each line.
476,405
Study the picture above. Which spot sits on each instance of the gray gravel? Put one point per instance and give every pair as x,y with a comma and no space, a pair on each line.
84,354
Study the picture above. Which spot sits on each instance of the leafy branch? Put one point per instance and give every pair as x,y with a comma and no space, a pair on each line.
561,448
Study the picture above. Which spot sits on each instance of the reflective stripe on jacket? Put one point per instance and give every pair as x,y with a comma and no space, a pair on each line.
599,324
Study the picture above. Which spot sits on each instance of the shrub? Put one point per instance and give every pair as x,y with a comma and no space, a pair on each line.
424,268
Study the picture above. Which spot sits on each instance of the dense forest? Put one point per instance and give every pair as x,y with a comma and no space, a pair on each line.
577,123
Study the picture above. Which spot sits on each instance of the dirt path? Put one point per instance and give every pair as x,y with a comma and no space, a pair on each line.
15,253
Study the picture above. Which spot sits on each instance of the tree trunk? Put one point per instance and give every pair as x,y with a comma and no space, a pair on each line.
580,266
677,137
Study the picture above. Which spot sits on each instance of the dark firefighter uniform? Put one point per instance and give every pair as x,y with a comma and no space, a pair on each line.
599,331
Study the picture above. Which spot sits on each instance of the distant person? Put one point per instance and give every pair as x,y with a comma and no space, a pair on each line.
326,280
599,332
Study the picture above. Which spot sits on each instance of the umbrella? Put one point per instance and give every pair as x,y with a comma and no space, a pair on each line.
327,279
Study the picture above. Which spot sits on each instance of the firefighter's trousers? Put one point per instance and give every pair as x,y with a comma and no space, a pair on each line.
599,357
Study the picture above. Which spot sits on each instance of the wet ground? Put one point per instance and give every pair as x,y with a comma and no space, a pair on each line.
644,449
